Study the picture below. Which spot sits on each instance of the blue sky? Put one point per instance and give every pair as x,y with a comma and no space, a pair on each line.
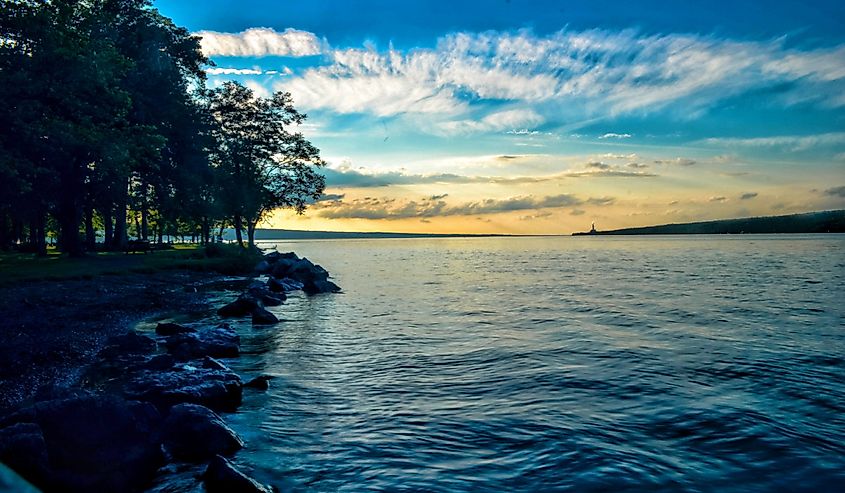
539,117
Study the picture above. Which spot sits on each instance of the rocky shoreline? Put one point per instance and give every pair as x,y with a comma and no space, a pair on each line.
149,405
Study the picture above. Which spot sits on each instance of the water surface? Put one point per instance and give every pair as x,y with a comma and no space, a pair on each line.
705,363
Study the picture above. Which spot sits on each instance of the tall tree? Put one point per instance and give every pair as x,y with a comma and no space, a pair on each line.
266,165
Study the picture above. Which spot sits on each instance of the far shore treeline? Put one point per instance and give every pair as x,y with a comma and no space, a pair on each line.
108,127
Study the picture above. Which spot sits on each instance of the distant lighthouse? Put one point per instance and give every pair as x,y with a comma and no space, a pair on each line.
593,227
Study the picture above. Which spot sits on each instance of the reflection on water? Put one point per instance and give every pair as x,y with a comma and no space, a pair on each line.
648,364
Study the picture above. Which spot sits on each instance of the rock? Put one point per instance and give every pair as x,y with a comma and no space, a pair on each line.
241,307
274,257
290,284
169,329
210,363
196,433
320,286
22,448
271,300
159,362
275,286
94,443
282,267
261,382
262,267
304,270
10,482
130,343
222,477
217,342
220,390
260,316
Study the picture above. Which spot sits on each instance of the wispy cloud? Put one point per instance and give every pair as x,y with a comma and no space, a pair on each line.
835,192
748,195
791,142
259,42
579,74
390,208
612,135
233,71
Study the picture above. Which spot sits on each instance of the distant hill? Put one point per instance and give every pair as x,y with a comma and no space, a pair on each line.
811,222
292,234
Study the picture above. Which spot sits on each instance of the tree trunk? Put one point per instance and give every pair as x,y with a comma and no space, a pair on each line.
108,228
238,227
120,217
90,234
40,224
69,218
250,231
206,230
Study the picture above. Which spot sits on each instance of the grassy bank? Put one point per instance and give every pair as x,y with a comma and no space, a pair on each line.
224,259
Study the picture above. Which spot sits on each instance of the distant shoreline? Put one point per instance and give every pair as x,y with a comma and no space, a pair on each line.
810,222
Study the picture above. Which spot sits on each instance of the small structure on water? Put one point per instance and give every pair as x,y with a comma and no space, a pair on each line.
592,231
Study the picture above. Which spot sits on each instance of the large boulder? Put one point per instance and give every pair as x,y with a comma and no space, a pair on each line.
320,286
10,482
223,477
22,447
261,316
304,270
217,342
130,343
241,307
275,286
169,329
196,433
94,443
221,390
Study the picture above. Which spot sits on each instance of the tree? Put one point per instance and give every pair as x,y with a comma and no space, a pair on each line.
266,165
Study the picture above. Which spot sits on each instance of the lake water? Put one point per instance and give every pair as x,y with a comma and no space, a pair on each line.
695,363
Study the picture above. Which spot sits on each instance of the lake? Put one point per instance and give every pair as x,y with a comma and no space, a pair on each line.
687,363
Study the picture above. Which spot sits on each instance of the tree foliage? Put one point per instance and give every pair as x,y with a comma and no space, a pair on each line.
107,123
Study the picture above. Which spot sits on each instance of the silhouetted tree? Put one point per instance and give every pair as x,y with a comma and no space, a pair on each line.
266,165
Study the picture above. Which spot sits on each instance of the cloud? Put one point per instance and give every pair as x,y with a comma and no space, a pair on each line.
259,42
791,142
555,78
493,122
390,208
577,212
232,71
835,192
748,196
636,165
678,161
600,169
718,199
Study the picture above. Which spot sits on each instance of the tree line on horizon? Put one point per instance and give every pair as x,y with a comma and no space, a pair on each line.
109,127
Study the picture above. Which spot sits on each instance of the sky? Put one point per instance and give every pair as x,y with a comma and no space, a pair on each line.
541,117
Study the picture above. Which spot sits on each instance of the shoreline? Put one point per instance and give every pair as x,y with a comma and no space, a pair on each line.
146,400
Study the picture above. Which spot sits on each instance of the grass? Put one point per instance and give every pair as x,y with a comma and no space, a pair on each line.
224,259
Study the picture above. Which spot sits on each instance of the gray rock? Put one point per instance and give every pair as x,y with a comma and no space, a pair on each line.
22,447
217,342
196,433
169,329
220,390
94,443
261,382
262,267
10,482
320,286
130,343
260,316
241,307
159,362
223,477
